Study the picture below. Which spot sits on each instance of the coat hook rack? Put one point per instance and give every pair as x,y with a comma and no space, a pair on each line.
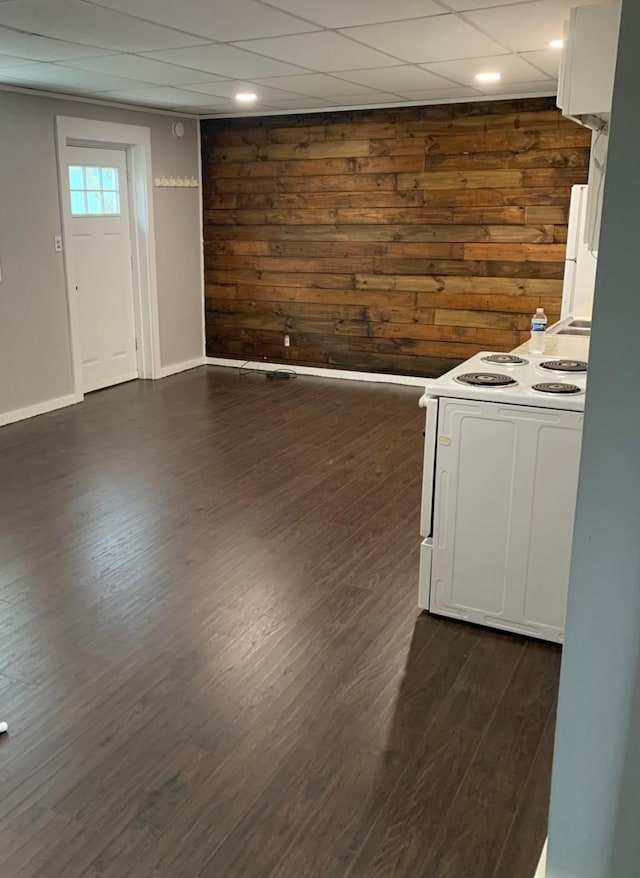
176,183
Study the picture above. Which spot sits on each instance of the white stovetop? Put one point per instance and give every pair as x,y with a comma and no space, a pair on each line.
526,375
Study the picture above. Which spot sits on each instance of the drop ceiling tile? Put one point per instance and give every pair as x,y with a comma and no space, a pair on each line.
161,52
206,110
427,95
223,20
302,104
318,85
161,96
526,27
80,22
547,60
381,97
512,68
519,89
323,51
394,79
194,99
37,48
226,61
439,38
464,5
65,77
143,69
338,13
12,61
229,88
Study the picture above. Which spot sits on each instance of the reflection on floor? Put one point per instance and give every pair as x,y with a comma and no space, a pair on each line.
211,656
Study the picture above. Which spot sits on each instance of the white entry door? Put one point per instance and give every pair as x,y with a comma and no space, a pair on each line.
100,264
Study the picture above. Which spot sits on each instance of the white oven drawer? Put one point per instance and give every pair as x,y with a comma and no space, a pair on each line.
424,587
428,471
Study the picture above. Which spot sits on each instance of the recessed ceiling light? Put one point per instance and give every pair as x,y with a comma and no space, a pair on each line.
246,97
556,44
488,77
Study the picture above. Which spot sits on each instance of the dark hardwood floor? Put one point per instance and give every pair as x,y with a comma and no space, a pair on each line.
211,658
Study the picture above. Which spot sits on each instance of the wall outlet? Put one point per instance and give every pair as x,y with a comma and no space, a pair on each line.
287,340
57,243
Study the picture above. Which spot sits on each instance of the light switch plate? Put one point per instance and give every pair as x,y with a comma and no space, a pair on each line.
57,243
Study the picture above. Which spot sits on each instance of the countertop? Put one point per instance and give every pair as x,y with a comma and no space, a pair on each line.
575,347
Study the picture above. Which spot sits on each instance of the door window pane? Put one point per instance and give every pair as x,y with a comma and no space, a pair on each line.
92,176
111,202
76,177
110,178
78,203
94,191
94,202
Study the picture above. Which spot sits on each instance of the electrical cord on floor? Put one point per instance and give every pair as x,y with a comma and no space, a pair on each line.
243,371
270,375
281,374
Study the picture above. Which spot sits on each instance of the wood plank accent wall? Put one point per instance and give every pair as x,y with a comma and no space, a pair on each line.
400,240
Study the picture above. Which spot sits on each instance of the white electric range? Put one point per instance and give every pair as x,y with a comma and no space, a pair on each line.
502,453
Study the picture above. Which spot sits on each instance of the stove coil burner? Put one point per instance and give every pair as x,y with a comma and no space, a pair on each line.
505,360
564,365
486,379
556,387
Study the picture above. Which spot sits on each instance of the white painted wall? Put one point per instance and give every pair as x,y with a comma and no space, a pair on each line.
595,793
35,359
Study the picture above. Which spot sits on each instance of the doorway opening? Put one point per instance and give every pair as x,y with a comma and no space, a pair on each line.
104,172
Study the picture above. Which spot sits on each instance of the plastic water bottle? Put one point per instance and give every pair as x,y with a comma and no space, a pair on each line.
538,330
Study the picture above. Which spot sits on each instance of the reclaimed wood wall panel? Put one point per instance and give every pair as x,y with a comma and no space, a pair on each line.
397,240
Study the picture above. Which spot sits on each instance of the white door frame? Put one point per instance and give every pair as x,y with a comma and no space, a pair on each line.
136,141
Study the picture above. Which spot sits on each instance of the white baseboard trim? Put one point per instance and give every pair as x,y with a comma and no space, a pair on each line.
40,408
165,371
542,865
320,372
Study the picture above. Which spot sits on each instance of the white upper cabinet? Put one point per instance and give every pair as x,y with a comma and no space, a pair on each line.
585,88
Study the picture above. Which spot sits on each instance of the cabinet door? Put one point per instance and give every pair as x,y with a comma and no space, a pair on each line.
585,86
506,481
553,489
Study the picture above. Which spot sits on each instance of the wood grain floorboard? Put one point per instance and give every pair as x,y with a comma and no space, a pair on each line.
211,657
